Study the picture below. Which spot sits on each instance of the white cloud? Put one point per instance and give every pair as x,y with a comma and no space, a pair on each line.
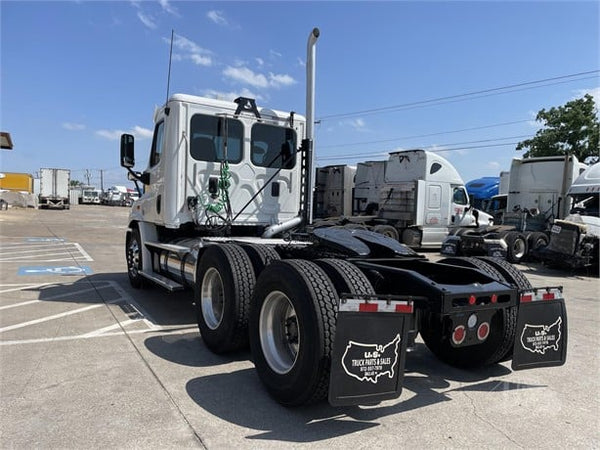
247,76
147,20
279,80
115,135
259,80
260,61
111,135
191,51
357,124
594,92
300,61
275,54
232,95
201,60
141,132
217,17
167,7
494,165
73,126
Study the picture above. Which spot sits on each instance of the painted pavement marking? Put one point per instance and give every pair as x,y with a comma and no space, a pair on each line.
134,312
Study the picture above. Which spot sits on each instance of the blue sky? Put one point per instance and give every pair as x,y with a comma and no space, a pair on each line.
76,74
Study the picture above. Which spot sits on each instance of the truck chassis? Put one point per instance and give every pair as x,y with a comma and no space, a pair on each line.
331,313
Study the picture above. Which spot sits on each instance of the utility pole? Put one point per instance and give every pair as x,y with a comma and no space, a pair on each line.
87,176
102,180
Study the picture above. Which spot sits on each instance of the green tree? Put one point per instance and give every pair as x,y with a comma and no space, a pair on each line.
75,183
569,129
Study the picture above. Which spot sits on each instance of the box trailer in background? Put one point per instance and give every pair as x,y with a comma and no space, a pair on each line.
333,191
19,182
54,188
537,196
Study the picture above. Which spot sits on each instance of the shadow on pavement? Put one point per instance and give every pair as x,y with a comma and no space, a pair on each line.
230,396
161,307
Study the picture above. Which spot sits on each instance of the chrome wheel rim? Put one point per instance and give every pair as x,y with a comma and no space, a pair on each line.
279,332
133,258
212,298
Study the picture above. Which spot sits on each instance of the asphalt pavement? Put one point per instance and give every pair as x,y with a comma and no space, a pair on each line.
86,361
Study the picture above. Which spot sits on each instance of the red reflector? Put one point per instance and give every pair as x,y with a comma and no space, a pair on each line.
526,298
548,296
368,307
459,334
483,331
472,300
494,298
404,308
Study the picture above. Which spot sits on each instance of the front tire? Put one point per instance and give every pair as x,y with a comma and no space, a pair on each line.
292,329
224,283
133,255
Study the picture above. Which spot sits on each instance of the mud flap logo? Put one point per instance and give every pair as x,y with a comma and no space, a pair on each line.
540,338
368,362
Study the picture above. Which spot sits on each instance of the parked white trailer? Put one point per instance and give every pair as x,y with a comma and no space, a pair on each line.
575,240
540,185
417,199
54,188
537,196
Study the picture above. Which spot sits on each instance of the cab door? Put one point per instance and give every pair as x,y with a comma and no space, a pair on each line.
152,202
461,209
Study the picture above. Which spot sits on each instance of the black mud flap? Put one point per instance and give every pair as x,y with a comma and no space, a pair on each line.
541,338
369,352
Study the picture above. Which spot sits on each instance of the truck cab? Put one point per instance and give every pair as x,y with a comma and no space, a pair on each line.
236,164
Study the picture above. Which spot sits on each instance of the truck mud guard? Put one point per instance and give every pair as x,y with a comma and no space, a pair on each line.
541,338
369,352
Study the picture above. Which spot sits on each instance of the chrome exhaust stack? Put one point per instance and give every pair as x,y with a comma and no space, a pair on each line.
305,215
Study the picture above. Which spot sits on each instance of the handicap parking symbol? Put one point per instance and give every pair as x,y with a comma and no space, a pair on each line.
55,270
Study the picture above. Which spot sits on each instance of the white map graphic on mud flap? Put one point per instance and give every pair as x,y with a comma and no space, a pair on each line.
368,362
539,338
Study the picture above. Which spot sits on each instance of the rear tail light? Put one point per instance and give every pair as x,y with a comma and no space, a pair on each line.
472,299
548,296
459,334
483,331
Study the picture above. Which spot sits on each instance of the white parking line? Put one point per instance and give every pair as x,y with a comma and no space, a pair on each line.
48,318
171,330
43,252
131,308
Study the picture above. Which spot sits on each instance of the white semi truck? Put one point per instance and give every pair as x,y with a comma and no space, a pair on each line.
575,239
537,195
417,199
328,312
54,188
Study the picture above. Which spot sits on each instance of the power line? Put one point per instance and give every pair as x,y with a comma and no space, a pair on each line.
474,94
467,145
425,135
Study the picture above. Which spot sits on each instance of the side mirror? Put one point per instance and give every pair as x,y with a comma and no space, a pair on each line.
127,151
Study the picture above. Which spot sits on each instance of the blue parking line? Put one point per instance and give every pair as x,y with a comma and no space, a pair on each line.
54,270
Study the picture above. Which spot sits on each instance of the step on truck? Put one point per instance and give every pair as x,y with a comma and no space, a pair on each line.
326,312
